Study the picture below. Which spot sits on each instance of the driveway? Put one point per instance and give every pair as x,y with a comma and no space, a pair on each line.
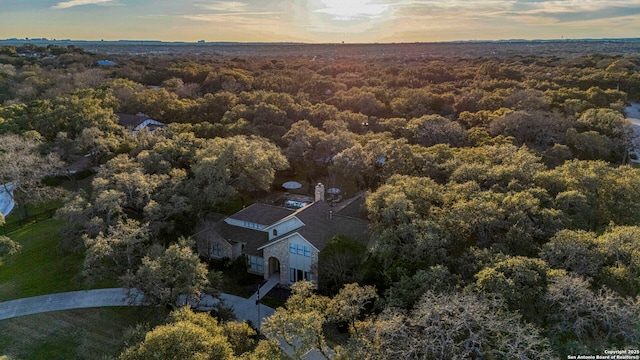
245,309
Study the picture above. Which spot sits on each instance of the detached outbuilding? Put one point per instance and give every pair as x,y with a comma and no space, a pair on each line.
135,123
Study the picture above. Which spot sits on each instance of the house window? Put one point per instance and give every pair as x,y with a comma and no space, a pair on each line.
256,263
275,232
298,275
216,249
251,225
300,249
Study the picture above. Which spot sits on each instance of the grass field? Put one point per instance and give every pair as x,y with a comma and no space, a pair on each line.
42,268
73,334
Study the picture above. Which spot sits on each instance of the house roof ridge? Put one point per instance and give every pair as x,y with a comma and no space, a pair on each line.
348,217
296,212
263,204
262,213
284,236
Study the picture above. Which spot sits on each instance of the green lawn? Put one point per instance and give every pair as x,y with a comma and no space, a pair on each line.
41,267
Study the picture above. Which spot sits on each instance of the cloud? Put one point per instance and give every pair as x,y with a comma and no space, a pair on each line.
235,13
72,3
225,6
350,10
573,10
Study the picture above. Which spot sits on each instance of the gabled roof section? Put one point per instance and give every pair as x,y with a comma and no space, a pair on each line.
354,207
252,239
262,214
285,237
138,121
131,121
321,224
149,124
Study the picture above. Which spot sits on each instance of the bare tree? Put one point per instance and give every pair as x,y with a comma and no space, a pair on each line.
591,320
449,326
23,168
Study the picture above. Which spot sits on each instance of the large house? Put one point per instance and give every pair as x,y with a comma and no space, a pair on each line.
278,240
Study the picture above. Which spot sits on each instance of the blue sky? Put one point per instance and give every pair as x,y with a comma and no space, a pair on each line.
319,20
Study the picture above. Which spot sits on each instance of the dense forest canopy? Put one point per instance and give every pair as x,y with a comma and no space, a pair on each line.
504,211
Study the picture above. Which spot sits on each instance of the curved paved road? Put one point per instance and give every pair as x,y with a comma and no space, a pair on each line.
67,301
245,309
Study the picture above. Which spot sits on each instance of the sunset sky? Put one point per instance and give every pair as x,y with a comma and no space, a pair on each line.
319,20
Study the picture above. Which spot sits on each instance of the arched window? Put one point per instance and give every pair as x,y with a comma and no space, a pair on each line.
275,232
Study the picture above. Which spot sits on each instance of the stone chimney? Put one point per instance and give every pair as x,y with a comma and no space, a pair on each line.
319,192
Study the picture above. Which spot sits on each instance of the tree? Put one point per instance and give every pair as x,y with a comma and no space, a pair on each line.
266,349
591,145
582,320
23,169
607,122
338,263
406,292
73,113
414,103
575,251
8,247
520,281
430,130
448,326
498,167
238,164
187,336
175,272
116,252
303,142
300,322
241,335
600,193
536,129
97,143
620,246
348,305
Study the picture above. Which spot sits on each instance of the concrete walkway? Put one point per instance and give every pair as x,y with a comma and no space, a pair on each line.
245,309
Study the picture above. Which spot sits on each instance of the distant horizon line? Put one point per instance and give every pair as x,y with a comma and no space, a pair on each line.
204,42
